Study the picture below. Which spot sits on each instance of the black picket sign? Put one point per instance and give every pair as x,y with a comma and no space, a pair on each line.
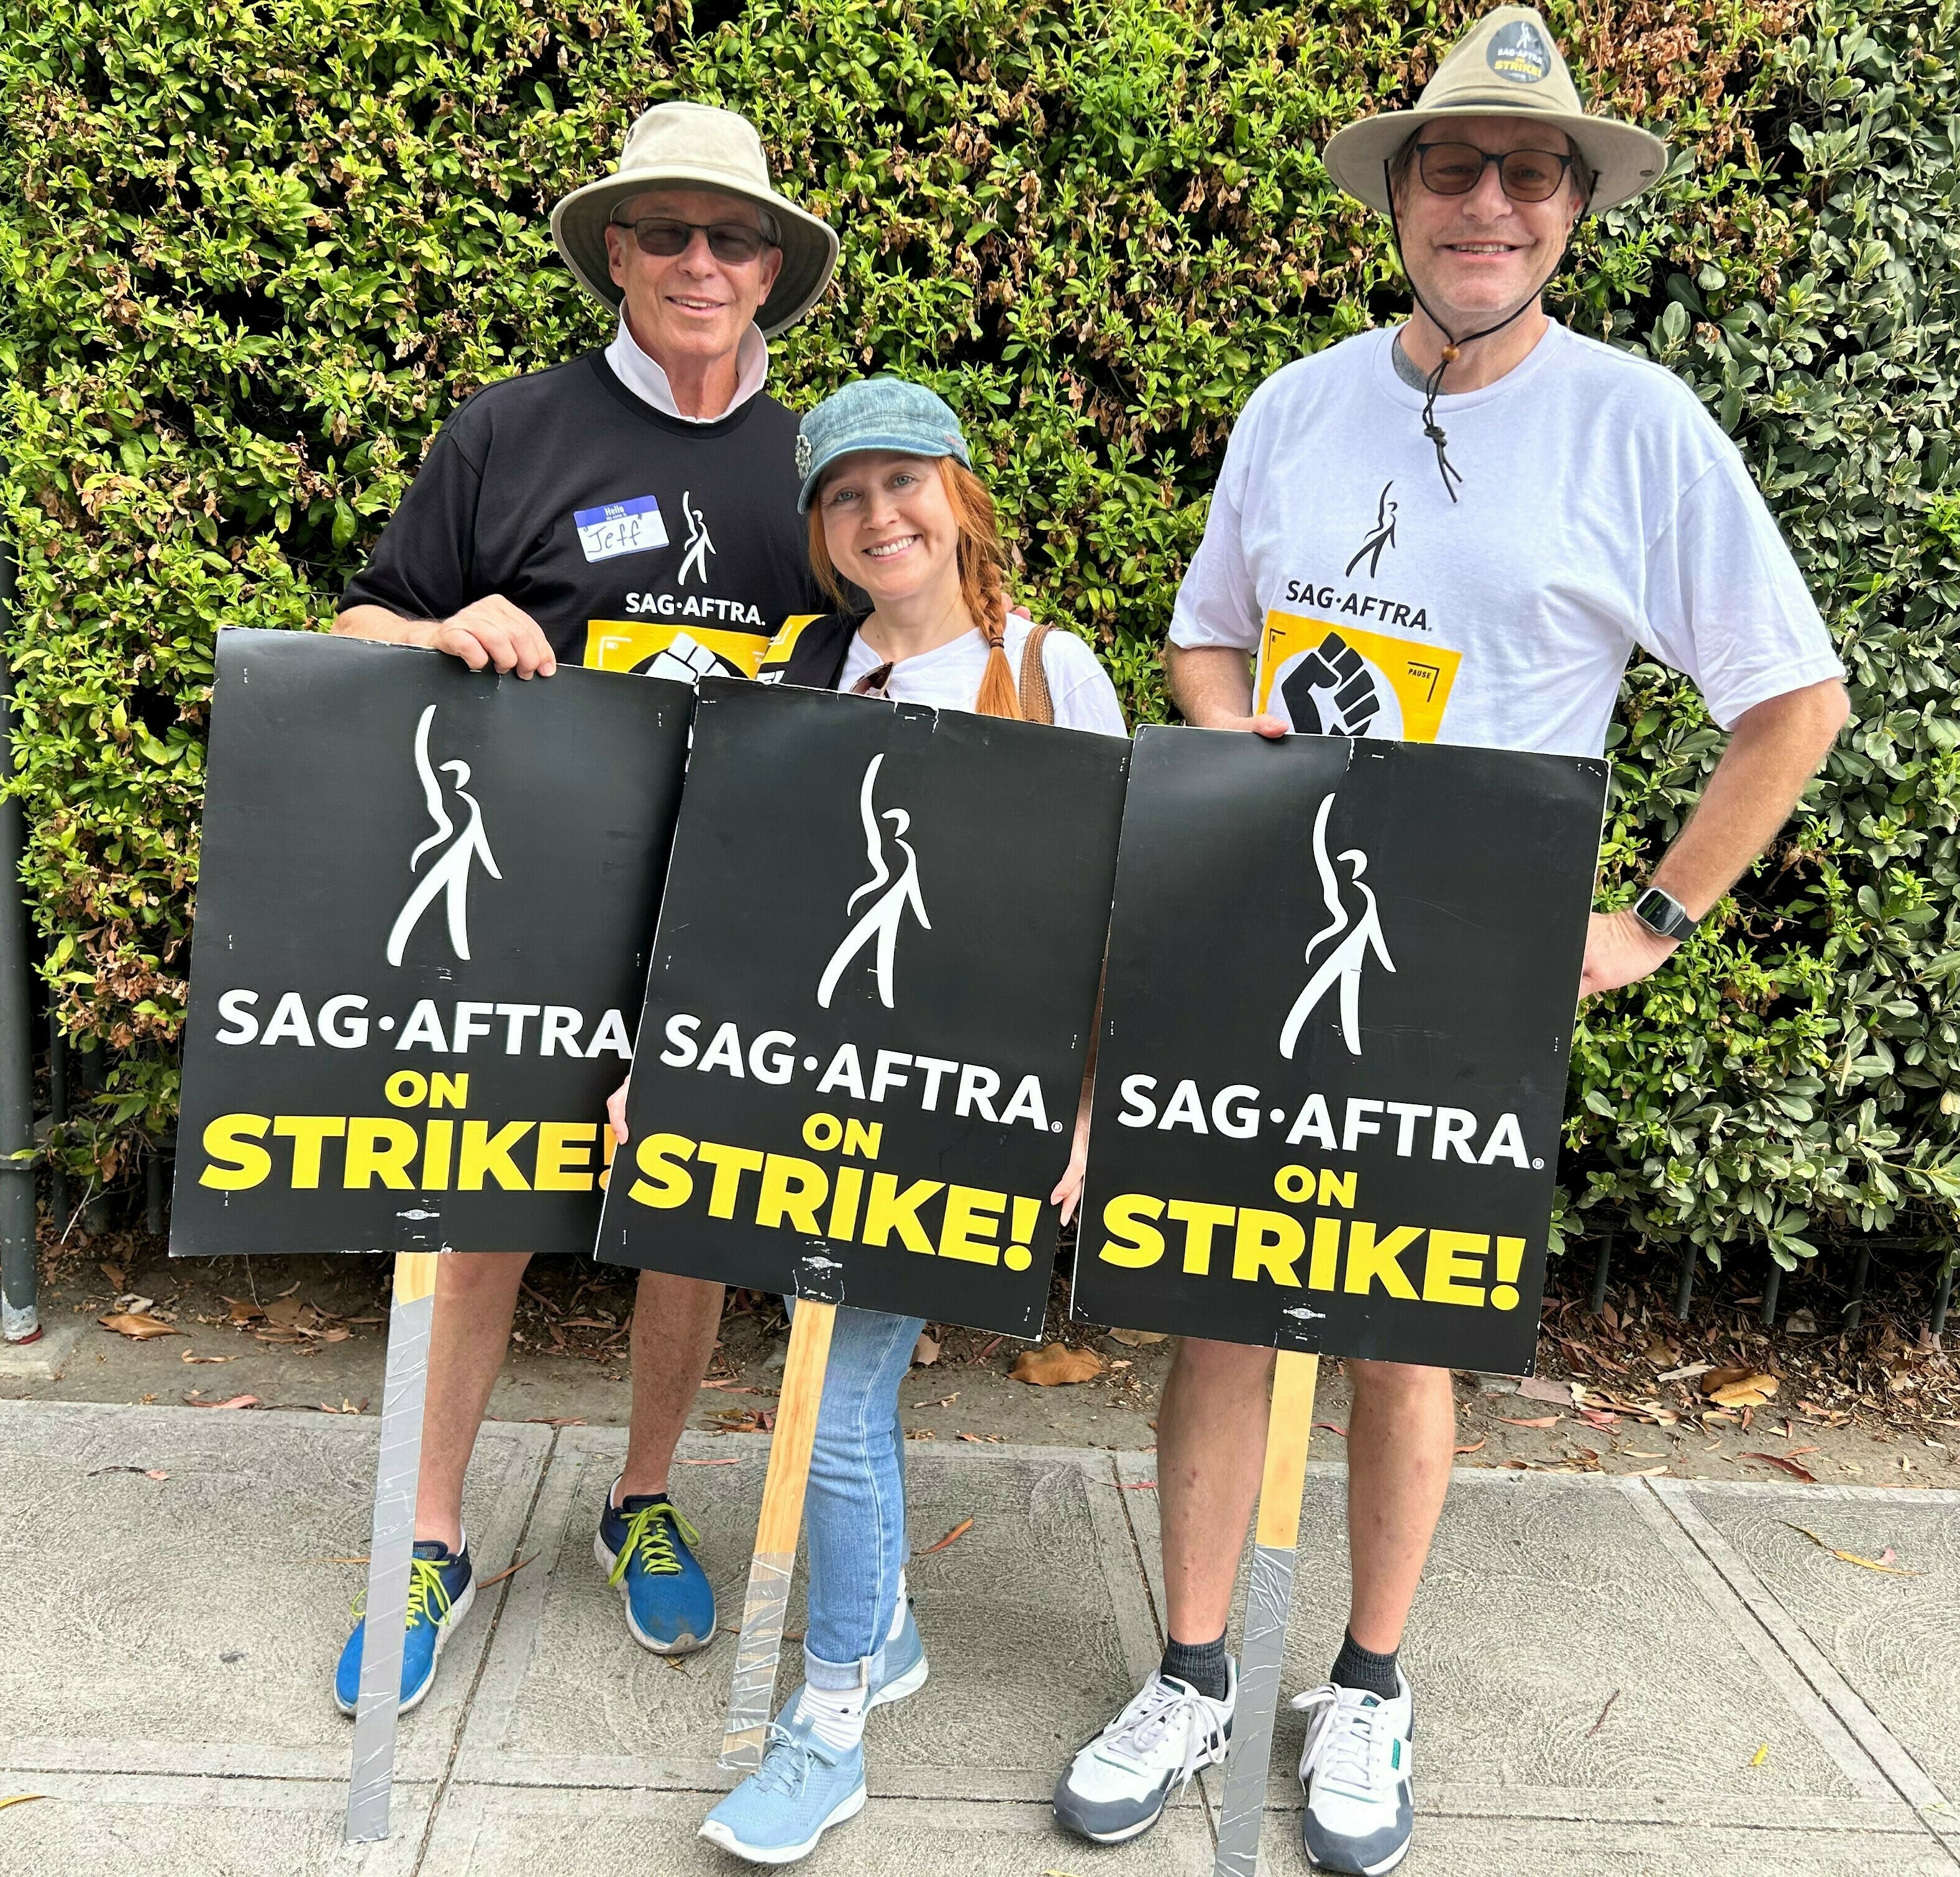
871,995
425,902
1341,983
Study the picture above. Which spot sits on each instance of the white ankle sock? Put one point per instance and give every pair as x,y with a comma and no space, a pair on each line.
836,1715
898,1613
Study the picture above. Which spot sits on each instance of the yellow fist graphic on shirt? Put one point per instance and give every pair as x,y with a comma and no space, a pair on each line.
1329,680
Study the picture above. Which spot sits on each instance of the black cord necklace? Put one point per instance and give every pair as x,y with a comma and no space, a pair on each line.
1452,347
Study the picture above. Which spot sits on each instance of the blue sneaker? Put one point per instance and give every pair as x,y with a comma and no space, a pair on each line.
904,1666
803,1788
440,1591
642,1547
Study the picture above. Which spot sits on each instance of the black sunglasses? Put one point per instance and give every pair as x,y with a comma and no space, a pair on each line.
1525,176
733,241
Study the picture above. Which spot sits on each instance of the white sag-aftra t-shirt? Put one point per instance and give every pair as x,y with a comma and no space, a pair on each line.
1601,508
948,675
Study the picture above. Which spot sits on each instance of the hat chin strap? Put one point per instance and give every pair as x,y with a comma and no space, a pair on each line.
1452,346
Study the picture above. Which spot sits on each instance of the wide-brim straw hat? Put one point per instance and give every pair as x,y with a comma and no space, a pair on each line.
696,146
1506,66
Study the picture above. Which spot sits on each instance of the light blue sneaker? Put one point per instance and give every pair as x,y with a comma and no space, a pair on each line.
642,1547
440,1591
802,1789
904,1666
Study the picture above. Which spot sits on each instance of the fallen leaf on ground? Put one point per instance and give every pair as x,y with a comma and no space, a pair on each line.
921,1433
1762,1753
944,1401
114,1272
136,1326
1138,1338
1738,1388
1800,1323
1787,1466
1474,1445
191,1356
707,1463
1054,1365
555,1420
982,1440
1139,1486
958,1532
509,1570
1333,1427
242,1309
1687,1373
1536,1388
925,1351
237,1401
1642,1453
145,1472
1537,1420
21,1798
285,1311
1603,1713
734,1387
1852,1557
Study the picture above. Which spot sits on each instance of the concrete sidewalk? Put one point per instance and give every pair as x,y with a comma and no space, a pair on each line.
1613,1675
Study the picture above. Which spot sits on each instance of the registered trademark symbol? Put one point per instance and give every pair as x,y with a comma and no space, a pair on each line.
1054,1126
1537,1165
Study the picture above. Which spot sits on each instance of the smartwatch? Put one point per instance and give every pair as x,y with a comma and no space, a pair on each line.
1662,914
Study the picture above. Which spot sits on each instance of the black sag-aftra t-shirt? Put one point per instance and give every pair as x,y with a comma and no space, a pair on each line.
636,540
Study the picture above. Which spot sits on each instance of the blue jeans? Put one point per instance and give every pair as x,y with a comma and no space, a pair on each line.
855,1509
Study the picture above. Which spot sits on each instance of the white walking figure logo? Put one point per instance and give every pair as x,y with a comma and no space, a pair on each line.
883,917
1346,959
699,546
450,874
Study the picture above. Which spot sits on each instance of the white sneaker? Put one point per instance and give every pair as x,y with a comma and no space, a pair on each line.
1118,1786
1360,1806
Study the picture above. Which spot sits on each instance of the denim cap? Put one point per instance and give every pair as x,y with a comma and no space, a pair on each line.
875,414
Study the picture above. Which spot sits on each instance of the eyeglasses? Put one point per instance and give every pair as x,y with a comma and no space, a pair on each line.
1525,176
733,241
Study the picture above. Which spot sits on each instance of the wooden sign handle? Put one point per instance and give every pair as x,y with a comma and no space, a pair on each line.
752,1692
403,1391
1263,1654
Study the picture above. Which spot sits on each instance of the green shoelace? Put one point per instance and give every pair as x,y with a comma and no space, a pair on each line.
428,1596
648,1533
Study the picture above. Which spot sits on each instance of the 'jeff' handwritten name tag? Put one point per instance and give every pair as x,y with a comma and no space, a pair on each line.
630,527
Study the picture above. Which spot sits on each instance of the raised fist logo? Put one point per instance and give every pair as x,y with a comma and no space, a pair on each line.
1332,691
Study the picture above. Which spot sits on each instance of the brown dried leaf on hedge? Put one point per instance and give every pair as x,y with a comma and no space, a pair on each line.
1055,1364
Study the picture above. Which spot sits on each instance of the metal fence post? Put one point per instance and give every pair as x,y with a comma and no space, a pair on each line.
19,1301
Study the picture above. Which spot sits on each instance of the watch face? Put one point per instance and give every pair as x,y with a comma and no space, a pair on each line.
1661,912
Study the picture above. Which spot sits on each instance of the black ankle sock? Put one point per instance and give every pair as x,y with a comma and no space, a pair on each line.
1358,1668
1201,1664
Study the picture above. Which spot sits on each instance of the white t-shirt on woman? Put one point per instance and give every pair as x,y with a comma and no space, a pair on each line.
948,677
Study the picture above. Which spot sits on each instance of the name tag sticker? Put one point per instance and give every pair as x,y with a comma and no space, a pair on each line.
628,527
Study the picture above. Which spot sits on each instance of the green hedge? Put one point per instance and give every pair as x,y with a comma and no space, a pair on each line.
251,253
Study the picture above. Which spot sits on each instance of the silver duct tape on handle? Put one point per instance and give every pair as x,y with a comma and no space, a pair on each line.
752,1691
1269,1592
388,1561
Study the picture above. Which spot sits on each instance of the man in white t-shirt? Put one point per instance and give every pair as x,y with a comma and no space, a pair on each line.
1458,531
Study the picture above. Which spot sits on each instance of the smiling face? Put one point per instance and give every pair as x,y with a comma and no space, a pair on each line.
689,309
1479,255
889,524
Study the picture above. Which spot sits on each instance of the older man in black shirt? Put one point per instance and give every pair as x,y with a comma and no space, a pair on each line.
634,508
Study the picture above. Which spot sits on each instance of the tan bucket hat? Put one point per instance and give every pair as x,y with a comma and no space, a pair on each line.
1506,66
698,147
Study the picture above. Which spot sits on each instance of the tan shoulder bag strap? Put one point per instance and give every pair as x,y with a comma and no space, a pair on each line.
1037,707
